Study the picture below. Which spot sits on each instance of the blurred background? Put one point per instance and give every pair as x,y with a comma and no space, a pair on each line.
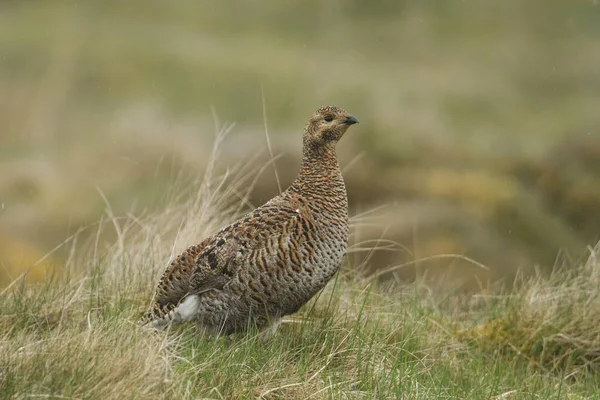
479,119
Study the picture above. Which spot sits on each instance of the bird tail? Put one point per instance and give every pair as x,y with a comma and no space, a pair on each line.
158,317
146,319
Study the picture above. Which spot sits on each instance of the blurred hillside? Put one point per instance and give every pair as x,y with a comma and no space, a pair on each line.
479,119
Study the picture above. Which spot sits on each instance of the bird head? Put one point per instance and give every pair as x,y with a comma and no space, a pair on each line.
326,126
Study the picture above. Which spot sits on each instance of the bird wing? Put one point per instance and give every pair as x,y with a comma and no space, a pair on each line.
211,264
235,246
216,264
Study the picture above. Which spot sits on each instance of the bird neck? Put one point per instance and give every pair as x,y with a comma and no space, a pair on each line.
320,173
319,160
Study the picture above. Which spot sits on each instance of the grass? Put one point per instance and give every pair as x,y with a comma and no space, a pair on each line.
75,335
478,118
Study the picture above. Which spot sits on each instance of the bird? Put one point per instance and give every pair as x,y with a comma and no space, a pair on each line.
273,260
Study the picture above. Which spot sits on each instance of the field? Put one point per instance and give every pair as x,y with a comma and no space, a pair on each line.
75,336
473,180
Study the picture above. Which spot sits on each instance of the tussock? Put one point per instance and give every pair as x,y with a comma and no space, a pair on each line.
550,322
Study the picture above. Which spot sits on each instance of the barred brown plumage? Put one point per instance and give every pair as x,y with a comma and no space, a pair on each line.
276,258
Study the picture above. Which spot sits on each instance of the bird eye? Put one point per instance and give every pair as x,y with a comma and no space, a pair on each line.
328,118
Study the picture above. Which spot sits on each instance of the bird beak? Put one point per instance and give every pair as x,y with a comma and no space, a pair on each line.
350,120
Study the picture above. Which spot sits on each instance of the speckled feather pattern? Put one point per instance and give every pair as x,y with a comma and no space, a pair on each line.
276,258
